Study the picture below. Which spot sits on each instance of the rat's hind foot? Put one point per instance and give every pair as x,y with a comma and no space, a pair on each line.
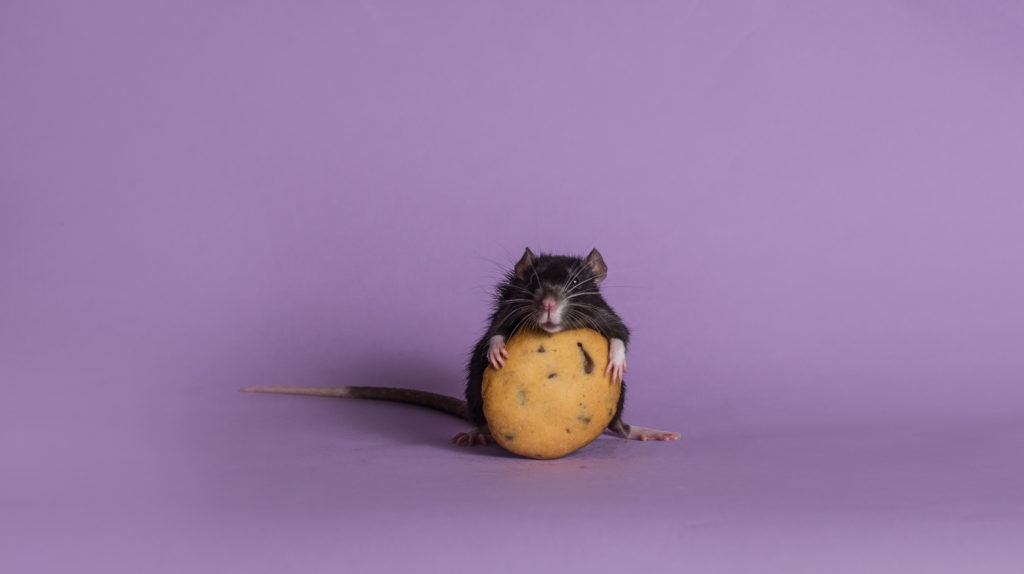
475,437
643,433
633,432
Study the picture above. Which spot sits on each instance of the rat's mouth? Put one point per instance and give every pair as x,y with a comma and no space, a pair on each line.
551,327
549,318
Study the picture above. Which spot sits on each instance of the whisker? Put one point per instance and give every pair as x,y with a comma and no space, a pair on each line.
515,329
534,269
587,321
513,314
520,289
581,284
575,295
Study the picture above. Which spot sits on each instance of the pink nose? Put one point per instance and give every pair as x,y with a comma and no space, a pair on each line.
549,303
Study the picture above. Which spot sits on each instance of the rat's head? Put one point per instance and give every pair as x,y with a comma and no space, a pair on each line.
557,292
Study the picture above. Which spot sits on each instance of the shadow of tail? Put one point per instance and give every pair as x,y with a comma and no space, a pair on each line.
443,403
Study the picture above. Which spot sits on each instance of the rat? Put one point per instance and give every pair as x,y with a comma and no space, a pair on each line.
545,292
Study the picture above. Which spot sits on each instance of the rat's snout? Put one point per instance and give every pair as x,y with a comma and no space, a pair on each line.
549,314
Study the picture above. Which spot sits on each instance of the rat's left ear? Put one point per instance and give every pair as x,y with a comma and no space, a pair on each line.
597,265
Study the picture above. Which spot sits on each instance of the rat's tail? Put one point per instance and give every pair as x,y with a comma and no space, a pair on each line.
451,405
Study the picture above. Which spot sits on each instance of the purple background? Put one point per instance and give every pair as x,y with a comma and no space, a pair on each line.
812,215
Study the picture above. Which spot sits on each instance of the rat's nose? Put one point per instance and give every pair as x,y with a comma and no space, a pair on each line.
549,303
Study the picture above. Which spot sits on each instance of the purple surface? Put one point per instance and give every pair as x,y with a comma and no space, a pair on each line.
812,215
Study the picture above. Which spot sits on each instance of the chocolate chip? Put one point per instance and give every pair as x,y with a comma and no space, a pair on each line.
588,363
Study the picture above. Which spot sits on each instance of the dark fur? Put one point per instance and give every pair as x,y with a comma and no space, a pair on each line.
539,276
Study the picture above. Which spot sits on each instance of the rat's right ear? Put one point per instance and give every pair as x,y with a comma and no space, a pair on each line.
524,264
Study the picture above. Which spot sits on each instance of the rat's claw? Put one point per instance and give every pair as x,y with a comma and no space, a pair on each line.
475,437
646,434
496,352
616,360
616,367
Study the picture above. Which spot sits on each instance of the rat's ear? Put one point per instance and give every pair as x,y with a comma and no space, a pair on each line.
597,265
524,264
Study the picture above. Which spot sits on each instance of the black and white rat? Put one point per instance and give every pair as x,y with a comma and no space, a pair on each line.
544,292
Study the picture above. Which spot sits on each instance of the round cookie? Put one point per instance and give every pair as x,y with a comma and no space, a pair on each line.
552,397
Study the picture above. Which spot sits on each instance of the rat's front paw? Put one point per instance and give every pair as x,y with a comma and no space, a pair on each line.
496,352
616,360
